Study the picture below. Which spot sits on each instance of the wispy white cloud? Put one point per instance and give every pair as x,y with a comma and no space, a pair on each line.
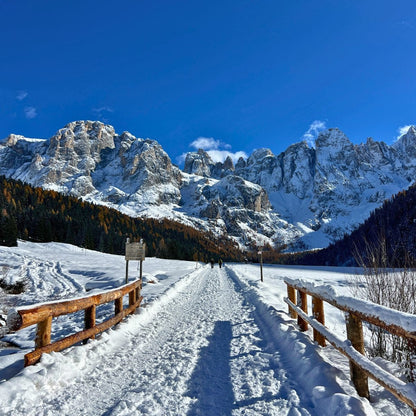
102,112
30,112
21,95
216,149
407,23
313,131
205,143
103,109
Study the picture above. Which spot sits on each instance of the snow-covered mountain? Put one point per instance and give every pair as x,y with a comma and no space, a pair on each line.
324,191
304,197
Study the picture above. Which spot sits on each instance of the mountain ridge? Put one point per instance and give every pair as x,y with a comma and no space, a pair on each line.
304,197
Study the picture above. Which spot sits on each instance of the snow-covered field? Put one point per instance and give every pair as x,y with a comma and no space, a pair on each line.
206,342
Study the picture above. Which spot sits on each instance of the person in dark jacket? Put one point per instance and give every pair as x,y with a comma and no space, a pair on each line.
220,263
212,263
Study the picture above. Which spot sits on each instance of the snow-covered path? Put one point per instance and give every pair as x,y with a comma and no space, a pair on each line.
206,342
200,352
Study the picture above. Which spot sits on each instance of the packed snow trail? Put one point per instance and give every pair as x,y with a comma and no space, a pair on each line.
199,351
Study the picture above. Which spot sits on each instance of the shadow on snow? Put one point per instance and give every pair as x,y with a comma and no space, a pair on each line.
211,383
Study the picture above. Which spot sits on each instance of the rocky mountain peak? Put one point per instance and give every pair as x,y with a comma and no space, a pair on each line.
241,163
406,144
258,155
73,153
332,138
333,147
228,163
198,163
12,139
84,138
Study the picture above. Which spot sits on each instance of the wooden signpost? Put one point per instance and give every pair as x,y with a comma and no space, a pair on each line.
135,251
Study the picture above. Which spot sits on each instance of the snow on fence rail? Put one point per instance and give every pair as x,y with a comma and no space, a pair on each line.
42,315
395,322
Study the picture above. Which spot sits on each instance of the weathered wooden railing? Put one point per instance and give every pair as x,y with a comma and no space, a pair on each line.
42,316
395,322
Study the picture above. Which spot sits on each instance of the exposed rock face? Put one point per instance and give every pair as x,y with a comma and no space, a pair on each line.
406,148
234,191
305,196
88,159
334,186
199,163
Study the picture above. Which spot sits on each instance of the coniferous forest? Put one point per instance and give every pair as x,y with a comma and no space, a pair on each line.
34,214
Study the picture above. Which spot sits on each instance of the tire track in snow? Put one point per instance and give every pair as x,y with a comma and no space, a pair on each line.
202,353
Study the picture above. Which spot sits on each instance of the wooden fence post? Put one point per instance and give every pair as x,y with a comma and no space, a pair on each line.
355,335
43,333
118,305
411,343
303,304
291,295
132,297
89,319
318,314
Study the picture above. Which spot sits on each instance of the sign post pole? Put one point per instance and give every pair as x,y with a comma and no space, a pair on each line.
127,262
261,265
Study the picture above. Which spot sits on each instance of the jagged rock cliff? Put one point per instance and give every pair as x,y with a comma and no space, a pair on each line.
304,197
88,159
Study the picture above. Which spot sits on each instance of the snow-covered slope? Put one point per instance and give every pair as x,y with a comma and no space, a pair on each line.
304,197
207,341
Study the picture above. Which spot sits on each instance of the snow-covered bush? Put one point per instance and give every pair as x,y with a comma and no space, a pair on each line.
13,288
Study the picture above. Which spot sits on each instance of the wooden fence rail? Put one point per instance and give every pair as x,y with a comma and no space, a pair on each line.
395,322
42,316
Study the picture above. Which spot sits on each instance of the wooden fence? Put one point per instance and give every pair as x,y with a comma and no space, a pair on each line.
42,316
356,311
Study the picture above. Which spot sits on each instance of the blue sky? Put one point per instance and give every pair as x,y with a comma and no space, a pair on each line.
244,74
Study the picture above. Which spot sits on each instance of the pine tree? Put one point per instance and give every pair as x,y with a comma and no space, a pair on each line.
8,231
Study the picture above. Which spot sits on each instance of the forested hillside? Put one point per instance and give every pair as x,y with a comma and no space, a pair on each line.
37,215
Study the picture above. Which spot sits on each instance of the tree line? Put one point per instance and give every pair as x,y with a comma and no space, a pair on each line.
34,214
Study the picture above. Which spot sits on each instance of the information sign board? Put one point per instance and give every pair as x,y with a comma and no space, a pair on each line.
135,251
